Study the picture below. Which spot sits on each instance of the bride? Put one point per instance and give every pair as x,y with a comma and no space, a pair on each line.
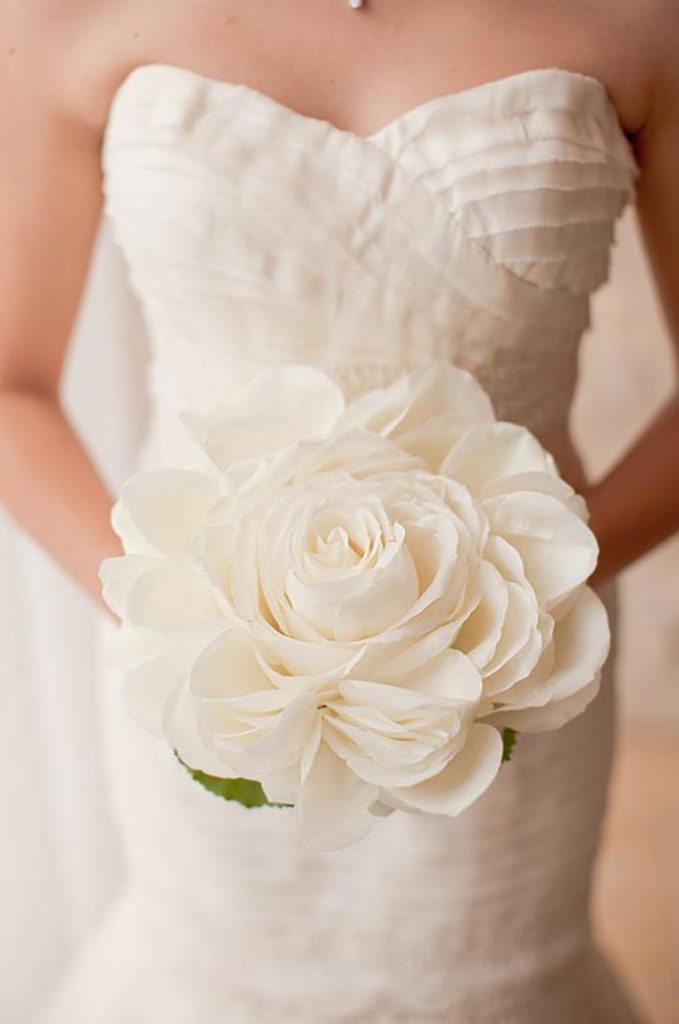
364,188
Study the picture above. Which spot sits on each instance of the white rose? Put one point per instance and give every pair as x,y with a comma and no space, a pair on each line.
357,599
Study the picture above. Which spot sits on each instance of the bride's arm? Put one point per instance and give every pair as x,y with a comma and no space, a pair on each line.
50,203
636,505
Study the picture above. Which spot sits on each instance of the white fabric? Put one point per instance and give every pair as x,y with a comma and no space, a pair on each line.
474,228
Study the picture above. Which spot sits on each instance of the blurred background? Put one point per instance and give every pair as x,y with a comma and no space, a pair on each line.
59,858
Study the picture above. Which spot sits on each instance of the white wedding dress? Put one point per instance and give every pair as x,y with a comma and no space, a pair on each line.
474,228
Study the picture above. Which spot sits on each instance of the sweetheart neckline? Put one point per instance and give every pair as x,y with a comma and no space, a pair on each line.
580,94
441,100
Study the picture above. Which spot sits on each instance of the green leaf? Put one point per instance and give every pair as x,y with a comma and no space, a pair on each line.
508,741
243,791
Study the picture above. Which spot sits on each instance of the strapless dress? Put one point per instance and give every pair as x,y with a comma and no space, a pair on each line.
472,228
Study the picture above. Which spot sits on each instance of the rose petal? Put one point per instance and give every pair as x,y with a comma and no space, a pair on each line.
148,689
462,781
316,662
581,646
393,590
170,594
289,734
451,675
181,729
559,552
481,632
228,670
551,716
418,397
494,451
433,439
250,437
544,483
167,506
392,661
520,645
131,646
357,452
449,680
118,574
295,391
134,541
282,785
333,806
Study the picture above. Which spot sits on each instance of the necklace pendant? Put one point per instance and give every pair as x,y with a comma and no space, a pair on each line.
355,4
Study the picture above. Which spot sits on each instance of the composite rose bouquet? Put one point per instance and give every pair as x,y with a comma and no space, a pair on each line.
355,606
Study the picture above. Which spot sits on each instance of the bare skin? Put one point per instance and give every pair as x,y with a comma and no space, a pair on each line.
60,63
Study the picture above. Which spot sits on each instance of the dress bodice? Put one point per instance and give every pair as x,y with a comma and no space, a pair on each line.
474,227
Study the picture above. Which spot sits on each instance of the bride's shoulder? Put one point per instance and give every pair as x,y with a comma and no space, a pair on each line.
67,56
643,42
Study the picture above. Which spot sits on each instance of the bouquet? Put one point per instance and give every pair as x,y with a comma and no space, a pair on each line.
355,606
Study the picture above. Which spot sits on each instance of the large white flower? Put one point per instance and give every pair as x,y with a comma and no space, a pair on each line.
358,597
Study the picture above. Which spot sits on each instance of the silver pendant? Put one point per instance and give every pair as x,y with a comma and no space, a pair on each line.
355,4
